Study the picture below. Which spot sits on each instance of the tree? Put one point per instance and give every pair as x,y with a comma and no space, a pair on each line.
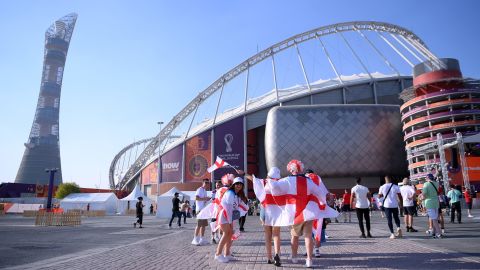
66,188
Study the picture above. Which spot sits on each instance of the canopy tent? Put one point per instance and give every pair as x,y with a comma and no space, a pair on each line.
97,201
164,202
130,201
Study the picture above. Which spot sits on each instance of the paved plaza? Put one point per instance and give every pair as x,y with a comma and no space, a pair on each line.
113,243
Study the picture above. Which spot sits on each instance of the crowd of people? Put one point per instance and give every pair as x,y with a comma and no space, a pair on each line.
301,202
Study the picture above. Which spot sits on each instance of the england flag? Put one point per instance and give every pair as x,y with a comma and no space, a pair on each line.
219,163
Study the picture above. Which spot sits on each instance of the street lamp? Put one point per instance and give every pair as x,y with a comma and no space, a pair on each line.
159,172
50,187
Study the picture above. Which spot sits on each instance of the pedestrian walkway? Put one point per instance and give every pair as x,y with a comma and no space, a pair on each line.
157,247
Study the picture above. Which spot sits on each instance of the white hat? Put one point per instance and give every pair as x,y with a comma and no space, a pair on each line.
274,172
237,180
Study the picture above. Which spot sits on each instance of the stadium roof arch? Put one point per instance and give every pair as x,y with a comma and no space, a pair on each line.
393,46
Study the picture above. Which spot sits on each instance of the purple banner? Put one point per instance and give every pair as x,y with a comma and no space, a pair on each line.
229,146
172,165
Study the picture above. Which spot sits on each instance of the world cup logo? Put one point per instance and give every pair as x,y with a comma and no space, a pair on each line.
228,142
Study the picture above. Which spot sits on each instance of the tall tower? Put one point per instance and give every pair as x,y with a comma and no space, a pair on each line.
42,149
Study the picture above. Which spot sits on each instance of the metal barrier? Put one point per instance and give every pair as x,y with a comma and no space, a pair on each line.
70,218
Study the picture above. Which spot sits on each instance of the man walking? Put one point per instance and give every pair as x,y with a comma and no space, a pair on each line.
430,197
408,196
139,210
390,192
362,206
201,199
454,196
175,210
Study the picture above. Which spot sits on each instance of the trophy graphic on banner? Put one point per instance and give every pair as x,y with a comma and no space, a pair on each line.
228,142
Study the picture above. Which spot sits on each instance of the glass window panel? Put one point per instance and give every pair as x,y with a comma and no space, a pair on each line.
361,94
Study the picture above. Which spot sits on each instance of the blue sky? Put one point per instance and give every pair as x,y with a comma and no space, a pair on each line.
133,63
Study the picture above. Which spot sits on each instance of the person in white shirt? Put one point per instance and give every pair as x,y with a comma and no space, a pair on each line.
361,195
408,195
201,199
390,192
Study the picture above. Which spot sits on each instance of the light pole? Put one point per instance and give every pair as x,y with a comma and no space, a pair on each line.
50,187
159,172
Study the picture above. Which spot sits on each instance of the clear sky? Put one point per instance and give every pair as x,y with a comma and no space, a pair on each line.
133,63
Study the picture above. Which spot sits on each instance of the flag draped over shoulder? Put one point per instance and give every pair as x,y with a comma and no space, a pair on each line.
219,163
292,200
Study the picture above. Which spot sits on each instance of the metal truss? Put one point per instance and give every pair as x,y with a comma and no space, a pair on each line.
355,26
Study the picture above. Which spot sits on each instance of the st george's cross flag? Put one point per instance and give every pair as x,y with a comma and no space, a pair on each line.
219,163
318,223
292,200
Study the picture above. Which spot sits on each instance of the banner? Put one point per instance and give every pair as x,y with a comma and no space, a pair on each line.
229,146
172,165
198,157
150,173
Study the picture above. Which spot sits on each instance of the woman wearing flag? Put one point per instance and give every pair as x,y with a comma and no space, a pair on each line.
259,189
231,207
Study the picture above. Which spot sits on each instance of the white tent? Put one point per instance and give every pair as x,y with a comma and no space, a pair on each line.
131,200
97,201
164,202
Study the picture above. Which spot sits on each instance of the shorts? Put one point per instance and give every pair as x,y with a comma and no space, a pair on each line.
304,228
409,210
346,208
432,213
469,205
202,222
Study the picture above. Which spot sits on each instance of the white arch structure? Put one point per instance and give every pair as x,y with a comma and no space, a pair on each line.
395,37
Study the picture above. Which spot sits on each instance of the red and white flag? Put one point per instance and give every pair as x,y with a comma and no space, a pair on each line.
219,163
292,200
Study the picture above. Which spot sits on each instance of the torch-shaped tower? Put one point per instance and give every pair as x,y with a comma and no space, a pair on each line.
43,146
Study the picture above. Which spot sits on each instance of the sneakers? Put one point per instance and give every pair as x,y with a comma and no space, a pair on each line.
316,252
221,258
134,224
363,236
196,241
308,263
429,232
392,236
369,235
214,241
399,233
294,260
470,216
438,236
276,260
443,231
203,242
229,257
412,229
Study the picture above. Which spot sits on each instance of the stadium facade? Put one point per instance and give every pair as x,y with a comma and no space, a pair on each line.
42,151
345,121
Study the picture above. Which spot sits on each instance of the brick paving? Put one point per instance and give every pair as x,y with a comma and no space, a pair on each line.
163,248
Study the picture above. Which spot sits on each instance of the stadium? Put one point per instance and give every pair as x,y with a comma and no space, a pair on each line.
329,97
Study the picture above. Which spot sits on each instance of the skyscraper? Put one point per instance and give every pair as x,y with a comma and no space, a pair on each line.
42,150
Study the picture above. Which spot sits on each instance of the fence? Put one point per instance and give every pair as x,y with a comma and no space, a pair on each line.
70,218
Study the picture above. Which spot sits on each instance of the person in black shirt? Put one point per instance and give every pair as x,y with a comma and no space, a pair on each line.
175,210
139,207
